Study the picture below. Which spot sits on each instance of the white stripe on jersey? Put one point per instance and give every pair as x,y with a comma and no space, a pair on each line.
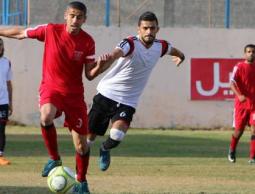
233,74
90,57
124,46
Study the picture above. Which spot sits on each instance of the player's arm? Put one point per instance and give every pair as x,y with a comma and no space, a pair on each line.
14,32
106,60
177,56
236,91
102,64
9,88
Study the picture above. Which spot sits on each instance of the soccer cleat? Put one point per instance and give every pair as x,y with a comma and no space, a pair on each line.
4,161
232,156
251,161
49,166
104,159
81,188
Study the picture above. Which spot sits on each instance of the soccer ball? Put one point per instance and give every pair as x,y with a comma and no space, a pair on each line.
61,179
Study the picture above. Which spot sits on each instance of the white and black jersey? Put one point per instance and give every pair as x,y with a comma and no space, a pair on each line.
5,75
125,82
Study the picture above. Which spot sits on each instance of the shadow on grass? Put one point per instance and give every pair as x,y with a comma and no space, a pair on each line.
23,190
138,145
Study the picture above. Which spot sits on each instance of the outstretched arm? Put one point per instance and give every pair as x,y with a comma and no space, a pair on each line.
177,56
14,32
102,64
109,60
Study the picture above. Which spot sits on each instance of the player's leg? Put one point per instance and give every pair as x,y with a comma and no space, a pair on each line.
120,124
3,120
233,144
98,124
82,162
117,134
241,118
252,141
252,145
48,113
98,118
76,120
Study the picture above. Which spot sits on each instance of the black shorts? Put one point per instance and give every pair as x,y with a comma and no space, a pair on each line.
4,112
103,110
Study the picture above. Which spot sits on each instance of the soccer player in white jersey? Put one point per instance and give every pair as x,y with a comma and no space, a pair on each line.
120,89
5,99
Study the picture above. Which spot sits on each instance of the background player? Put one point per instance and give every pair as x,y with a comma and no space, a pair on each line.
120,89
243,85
5,99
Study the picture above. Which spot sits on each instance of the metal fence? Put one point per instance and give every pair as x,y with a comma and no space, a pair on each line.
14,12
171,13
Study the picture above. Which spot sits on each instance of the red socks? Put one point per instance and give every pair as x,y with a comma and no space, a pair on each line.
49,135
82,163
233,143
252,147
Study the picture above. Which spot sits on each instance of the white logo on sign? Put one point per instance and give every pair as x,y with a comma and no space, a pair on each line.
216,83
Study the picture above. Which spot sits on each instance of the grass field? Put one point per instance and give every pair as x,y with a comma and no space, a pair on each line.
147,162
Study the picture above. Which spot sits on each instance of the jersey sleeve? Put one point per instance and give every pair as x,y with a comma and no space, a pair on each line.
235,74
169,48
37,32
124,46
90,54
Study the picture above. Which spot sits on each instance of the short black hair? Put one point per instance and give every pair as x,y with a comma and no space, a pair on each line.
249,46
78,5
147,16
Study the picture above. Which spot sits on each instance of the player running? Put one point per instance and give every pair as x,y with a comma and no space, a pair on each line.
120,89
68,50
243,85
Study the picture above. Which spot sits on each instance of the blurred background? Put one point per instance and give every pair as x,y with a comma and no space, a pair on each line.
171,13
211,33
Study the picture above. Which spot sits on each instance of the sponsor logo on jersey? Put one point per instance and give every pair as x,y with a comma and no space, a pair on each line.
78,55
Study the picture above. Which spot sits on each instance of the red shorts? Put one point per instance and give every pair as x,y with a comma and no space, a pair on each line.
72,105
243,117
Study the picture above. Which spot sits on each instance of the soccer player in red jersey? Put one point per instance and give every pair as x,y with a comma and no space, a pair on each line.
243,85
67,51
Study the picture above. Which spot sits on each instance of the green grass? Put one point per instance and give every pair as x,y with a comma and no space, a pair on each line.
147,162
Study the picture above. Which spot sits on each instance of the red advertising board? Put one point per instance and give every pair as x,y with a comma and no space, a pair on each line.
210,78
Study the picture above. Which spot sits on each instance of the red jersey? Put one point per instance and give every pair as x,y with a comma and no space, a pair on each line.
244,77
64,57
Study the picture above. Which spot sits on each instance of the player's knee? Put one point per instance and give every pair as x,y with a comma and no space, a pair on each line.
46,120
82,149
117,134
